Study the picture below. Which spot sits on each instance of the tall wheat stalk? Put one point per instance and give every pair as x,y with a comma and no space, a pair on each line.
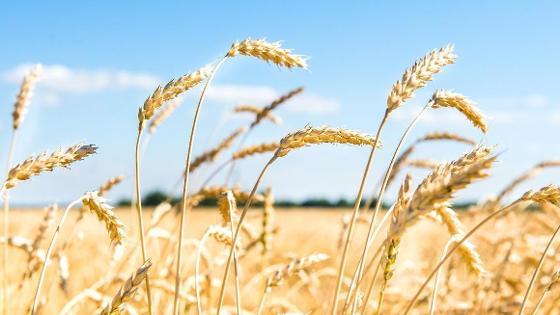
48,255
269,52
414,78
293,141
20,109
152,104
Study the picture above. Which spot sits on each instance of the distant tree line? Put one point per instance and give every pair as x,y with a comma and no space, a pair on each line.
156,197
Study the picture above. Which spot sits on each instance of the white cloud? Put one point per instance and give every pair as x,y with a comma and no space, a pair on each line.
307,102
56,80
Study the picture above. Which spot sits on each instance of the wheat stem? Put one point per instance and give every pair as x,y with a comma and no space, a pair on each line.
139,213
536,272
371,234
238,228
7,226
48,255
436,282
186,185
355,213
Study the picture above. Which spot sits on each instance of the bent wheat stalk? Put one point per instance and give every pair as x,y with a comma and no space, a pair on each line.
413,79
48,255
153,103
20,109
255,48
358,272
298,139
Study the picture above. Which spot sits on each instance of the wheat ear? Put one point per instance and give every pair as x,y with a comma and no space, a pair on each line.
443,98
266,111
128,289
24,95
269,52
311,136
419,75
443,135
36,165
96,204
255,149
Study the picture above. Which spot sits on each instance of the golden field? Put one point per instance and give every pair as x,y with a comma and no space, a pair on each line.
510,250
420,255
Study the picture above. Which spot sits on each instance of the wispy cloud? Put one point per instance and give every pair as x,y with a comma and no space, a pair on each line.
59,79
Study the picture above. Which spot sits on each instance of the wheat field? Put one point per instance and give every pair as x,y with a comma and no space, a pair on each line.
419,255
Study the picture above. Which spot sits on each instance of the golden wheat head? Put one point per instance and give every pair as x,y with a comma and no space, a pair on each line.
36,165
127,290
98,205
24,95
323,135
269,52
419,75
443,98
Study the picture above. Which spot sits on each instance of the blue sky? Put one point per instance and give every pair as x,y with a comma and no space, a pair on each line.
102,59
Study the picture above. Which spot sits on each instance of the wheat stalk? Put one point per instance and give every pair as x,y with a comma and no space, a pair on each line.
443,98
24,95
269,52
36,165
293,141
423,163
93,202
419,75
413,79
128,289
